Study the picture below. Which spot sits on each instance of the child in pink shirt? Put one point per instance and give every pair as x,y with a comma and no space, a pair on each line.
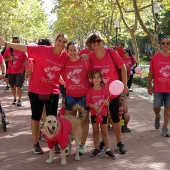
97,100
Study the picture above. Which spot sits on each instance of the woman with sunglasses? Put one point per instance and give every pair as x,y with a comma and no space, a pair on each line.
101,59
130,63
44,86
159,84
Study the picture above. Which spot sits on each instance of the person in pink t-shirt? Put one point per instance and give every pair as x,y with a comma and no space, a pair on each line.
75,75
3,67
97,98
43,88
130,63
16,65
107,60
159,77
120,49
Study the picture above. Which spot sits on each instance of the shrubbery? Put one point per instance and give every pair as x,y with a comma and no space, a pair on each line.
141,79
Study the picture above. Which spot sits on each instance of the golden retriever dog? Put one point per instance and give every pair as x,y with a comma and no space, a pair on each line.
61,130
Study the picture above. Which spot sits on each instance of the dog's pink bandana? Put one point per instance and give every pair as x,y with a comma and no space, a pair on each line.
61,137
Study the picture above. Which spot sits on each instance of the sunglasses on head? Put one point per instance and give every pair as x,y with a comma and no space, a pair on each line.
163,43
94,41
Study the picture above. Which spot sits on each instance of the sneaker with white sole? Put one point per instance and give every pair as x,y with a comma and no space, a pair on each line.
102,146
57,149
165,132
96,152
14,102
37,148
19,103
157,122
82,149
121,148
109,154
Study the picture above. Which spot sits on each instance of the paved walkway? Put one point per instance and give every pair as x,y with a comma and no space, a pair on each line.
146,148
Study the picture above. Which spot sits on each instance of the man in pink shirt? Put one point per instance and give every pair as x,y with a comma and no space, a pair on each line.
16,65
159,76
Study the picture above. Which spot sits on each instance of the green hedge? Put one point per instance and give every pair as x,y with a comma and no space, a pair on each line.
143,82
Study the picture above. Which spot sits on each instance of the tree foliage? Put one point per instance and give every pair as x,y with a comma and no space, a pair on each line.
25,19
78,18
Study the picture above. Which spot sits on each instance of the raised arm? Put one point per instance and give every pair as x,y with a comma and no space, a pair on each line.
3,68
15,46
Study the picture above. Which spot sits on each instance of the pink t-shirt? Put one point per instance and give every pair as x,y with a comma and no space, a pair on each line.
75,75
160,66
47,69
107,66
17,65
120,51
129,62
97,97
1,58
29,62
84,51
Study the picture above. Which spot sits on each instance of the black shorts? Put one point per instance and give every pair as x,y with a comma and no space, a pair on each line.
105,119
62,90
16,80
114,109
37,105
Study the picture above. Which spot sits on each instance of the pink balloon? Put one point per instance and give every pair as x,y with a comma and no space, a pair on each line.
137,70
116,87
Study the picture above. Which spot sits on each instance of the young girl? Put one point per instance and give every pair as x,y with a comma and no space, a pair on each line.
96,99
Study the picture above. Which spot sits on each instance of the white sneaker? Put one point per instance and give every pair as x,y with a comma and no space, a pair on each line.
82,149
165,132
7,121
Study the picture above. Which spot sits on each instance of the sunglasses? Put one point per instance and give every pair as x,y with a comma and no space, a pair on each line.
163,43
124,52
94,41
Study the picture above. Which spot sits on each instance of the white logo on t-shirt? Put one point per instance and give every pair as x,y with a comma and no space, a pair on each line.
51,71
74,75
165,71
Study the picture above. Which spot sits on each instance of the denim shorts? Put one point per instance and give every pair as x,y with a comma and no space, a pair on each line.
161,99
71,101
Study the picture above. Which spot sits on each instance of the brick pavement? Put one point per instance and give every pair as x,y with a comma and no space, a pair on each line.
146,148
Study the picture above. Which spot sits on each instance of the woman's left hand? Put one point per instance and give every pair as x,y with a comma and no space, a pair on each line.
125,91
84,57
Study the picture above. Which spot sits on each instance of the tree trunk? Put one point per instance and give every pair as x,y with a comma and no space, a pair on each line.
134,44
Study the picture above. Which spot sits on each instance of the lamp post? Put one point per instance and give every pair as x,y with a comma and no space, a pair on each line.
156,8
117,26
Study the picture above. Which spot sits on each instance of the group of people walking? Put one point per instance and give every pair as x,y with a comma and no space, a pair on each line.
86,74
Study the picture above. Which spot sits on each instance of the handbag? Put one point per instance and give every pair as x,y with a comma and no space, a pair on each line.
118,70
44,97
99,119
